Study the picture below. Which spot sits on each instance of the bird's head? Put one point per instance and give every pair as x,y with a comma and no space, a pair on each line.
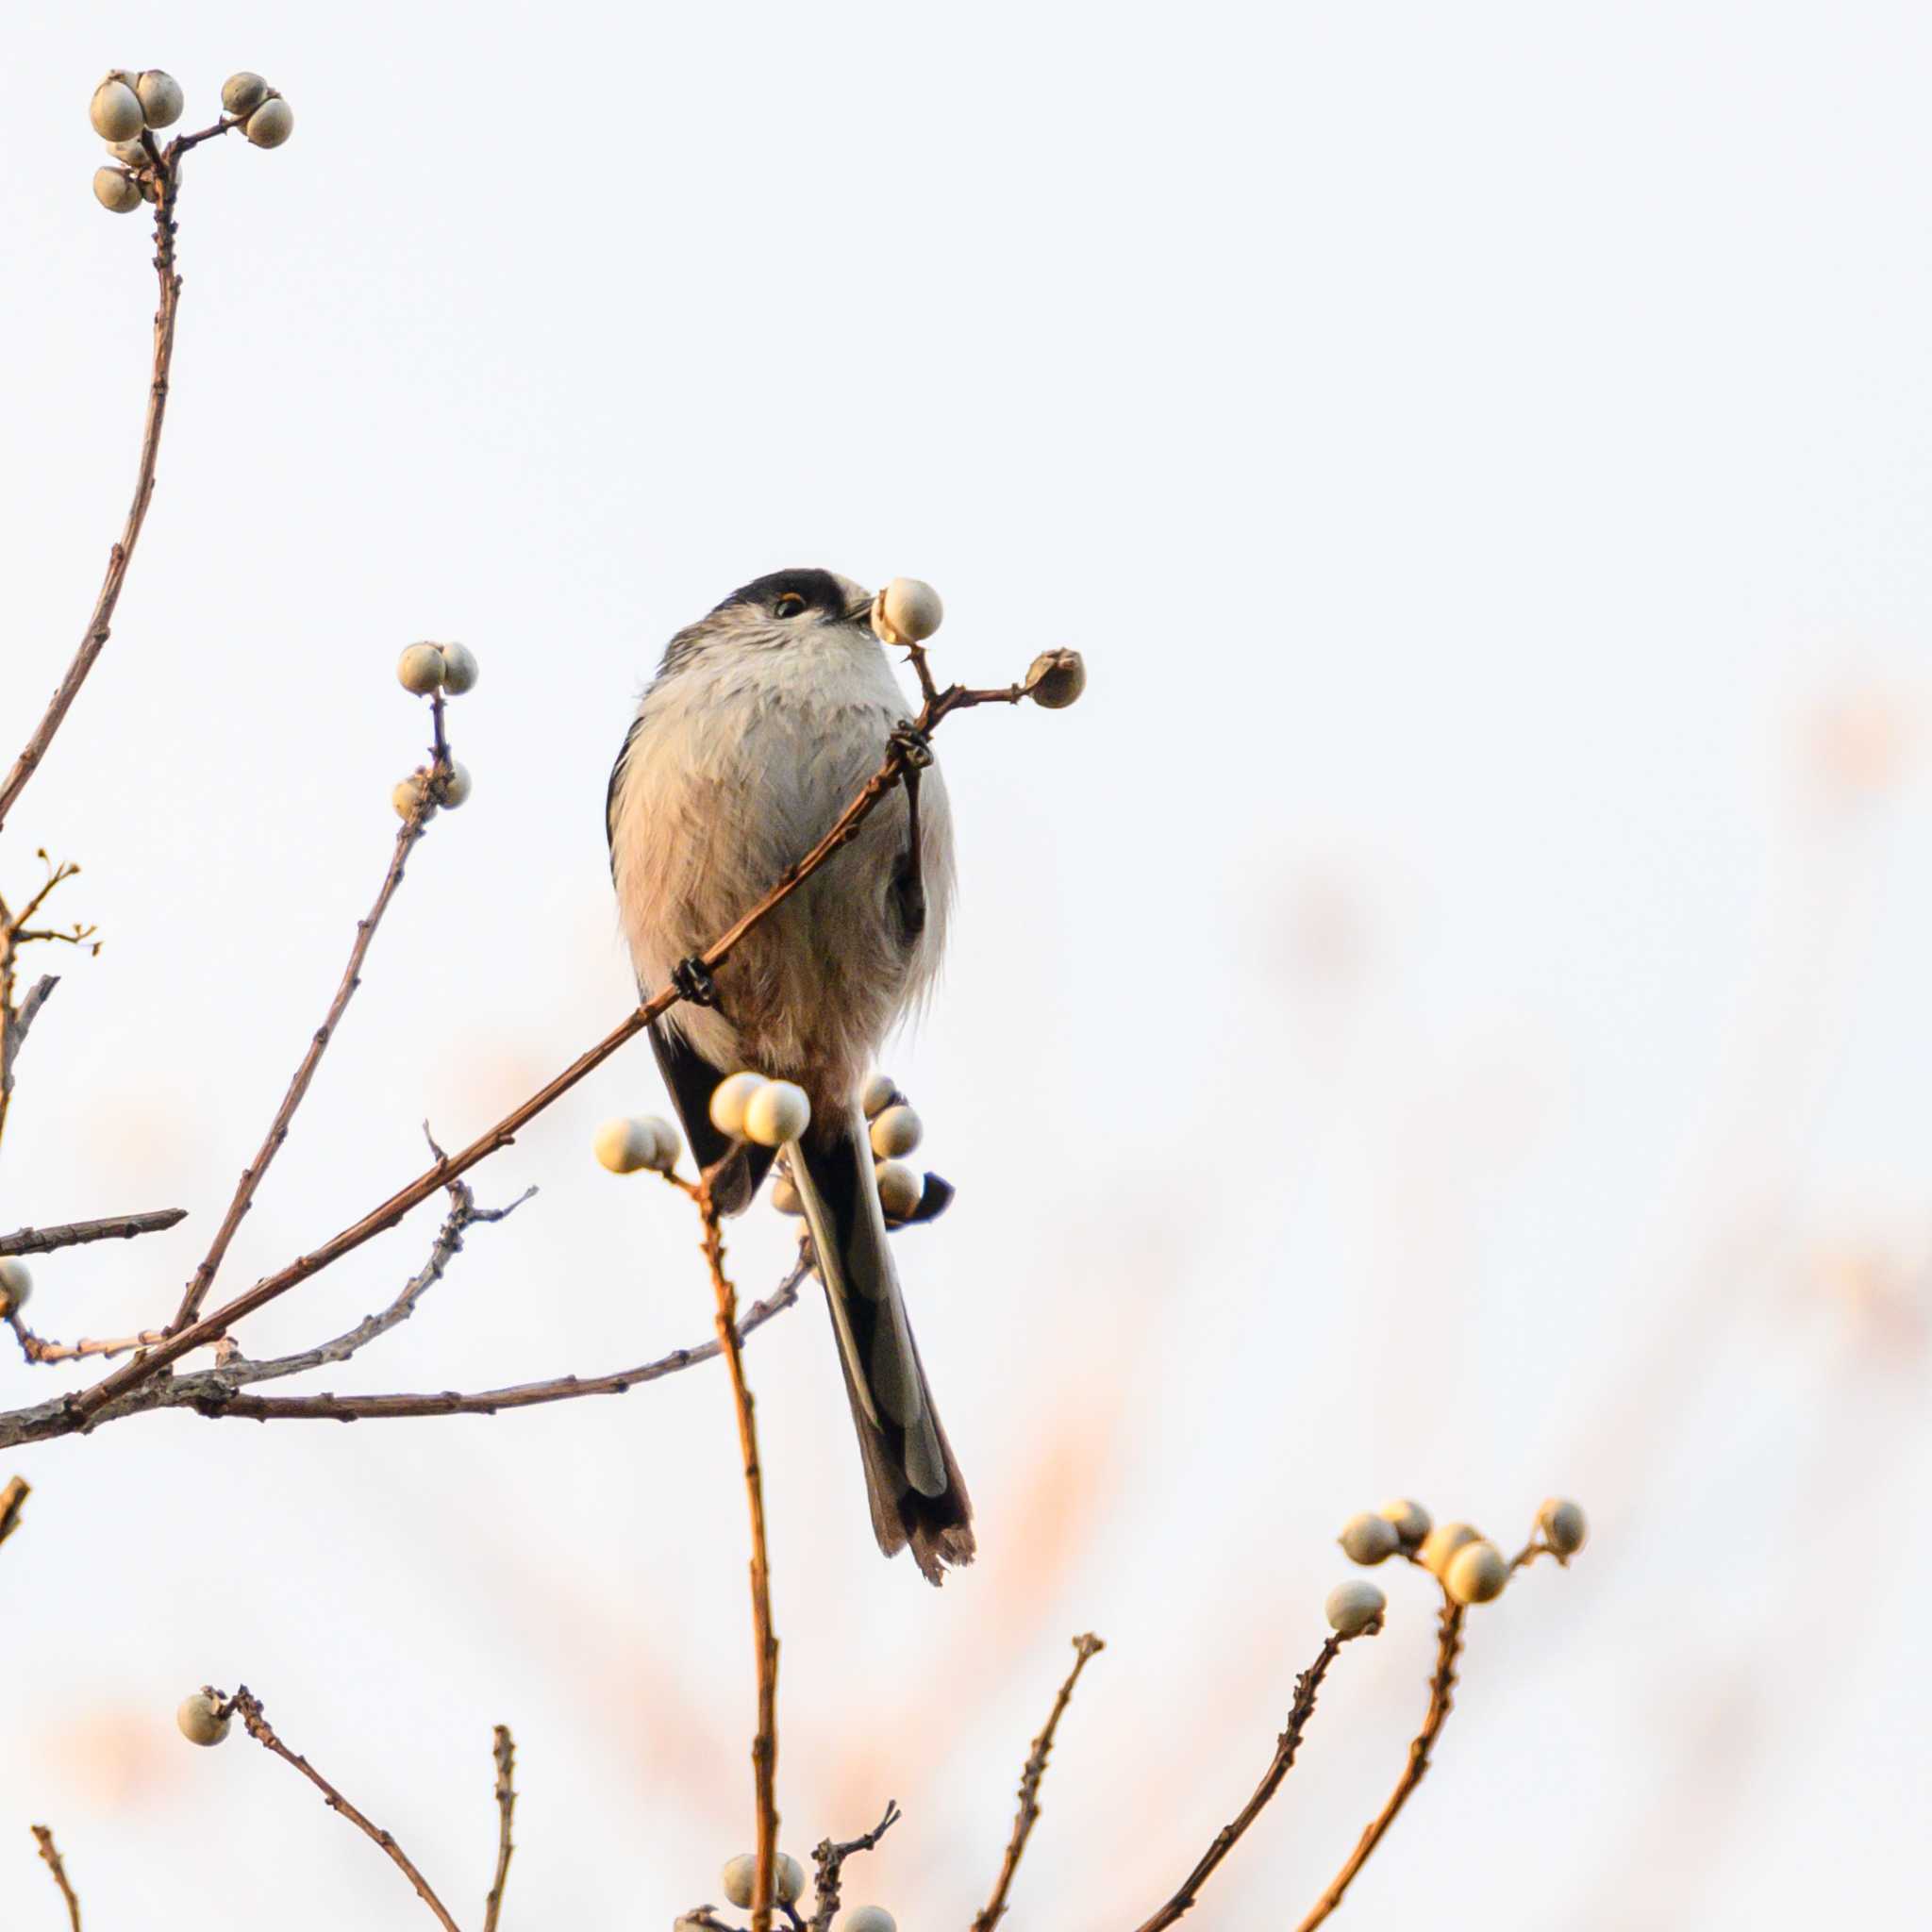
773,612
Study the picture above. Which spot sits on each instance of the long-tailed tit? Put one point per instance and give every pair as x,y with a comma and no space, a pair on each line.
763,722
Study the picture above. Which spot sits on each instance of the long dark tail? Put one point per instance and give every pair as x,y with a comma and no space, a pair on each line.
912,1481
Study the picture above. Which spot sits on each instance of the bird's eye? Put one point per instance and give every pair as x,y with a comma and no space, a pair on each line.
790,605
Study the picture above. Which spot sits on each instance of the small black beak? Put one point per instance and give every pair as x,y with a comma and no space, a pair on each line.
860,612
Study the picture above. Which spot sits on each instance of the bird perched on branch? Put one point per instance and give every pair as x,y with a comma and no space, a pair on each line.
764,719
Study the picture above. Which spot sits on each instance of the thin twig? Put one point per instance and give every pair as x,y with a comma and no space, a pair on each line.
249,1708
72,1233
505,1751
13,1495
1449,1643
1084,1648
85,1409
44,1833
218,1392
94,639
830,1860
411,830
764,1750
1302,1708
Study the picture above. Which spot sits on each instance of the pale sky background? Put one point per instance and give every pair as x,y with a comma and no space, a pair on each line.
1445,1014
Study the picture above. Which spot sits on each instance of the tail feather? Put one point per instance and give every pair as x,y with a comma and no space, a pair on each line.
913,1482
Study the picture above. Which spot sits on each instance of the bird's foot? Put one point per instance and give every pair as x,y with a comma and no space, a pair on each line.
911,744
694,981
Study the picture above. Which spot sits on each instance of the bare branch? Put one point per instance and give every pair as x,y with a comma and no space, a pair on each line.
1302,1708
86,1408
505,1751
14,1497
45,1834
1085,1649
72,1233
248,1707
1449,1644
830,1860
412,830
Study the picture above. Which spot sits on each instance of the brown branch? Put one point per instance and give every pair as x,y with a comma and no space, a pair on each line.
830,1860
13,1495
1302,1708
72,1233
94,639
85,1408
411,829
505,1751
1084,1648
15,1022
764,1750
1449,1644
248,1707
45,1834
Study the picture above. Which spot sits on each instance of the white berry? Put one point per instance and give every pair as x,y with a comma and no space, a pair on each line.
270,124
1475,1574
1054,679
729,1101
911,610
880,1092
458,668
868,1919
1444,1541
411,797
1564,1525
115,110
1352,1606
738,1879
1410,1519
900,1189
896,1132
199,1721
16,1285
456,787
777,1113
785,1196
160,97
788,1880
1370,1539
642,1142
119,193
130,154
242,92
422,668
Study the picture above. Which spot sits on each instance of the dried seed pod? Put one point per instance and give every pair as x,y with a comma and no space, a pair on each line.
115,110
1370,1539
458,669
729,1100
897,1132
899,1189
1563,1524
785,1196
1444,1541
908,611
130,154
199,1722
1476,1573
1410,1519
270,124
422,668
160,97
117,191
880,1092
1055,678
1352,1606
16,1285
456,787
778,1112
241,93
411,795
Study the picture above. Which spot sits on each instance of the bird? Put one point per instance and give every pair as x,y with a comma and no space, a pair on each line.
764,719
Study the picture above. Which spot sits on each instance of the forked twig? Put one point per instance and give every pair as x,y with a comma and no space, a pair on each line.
830,1860
1302,1708
51,1854
248,1707
1084,1648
